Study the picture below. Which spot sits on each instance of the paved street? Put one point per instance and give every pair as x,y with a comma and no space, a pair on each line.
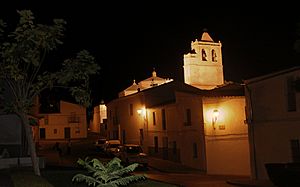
159,169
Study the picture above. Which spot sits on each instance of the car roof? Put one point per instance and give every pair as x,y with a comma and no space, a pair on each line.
133,145
114,141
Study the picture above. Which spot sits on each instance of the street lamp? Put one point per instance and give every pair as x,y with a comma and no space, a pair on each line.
142,112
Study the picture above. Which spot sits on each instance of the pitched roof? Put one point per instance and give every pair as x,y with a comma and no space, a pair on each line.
228,89
271,75
133,87
206,37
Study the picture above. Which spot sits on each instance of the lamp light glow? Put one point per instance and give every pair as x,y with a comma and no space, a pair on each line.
215,115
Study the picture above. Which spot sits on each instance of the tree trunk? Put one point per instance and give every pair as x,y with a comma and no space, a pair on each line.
31,144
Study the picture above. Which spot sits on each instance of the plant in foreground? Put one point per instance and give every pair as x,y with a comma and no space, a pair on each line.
111,174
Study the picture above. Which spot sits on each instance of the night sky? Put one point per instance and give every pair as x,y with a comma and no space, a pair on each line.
129,40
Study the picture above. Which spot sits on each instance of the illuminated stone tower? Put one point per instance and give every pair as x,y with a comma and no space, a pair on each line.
203,65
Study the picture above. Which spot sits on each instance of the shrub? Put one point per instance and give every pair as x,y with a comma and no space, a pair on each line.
111,174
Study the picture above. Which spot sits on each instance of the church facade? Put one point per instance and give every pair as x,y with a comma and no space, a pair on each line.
199,123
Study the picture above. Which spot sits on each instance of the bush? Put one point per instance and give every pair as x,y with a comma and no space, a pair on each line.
111,174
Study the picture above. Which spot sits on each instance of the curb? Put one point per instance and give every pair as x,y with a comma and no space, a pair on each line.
248,183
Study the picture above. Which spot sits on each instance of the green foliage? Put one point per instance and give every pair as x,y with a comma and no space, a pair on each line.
22,55
112,174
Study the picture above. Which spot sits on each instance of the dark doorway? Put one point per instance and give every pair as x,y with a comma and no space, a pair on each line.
42,133
67,133
165,148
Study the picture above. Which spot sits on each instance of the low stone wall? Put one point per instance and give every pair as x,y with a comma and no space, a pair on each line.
19,162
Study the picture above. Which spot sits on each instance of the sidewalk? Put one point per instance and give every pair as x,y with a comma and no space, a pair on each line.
170,167
173,167
251,183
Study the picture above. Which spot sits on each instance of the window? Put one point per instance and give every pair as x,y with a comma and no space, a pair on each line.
77,130
163,116
174,148
154,118
42,133
141,136
131,109
123,136
188,118
46,120
213,55
195,150
155,144
291,95
73,118
204,56
295,148
55,131
116,117
115,135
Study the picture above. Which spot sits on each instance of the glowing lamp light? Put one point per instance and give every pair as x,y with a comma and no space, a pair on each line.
142,111
215,115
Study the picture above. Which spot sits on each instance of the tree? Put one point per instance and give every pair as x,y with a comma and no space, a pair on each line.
112,174
22,68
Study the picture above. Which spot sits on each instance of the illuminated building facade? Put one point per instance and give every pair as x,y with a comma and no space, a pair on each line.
171,120
273,110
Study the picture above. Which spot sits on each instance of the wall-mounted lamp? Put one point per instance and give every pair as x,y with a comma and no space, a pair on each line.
215,115
141,112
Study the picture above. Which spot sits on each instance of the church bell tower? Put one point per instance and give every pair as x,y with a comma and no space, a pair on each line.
203,65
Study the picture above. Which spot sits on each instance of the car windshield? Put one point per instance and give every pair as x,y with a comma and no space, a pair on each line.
113,145
101,141
133,149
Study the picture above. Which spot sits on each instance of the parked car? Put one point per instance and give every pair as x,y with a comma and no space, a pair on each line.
100,143
111,147
132,153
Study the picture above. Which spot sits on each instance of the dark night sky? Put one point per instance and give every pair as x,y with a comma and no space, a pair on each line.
128,40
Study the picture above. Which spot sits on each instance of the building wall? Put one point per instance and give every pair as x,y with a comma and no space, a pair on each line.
271,125
95,123
57,122
99,115
177,130
184,136
227,147
122,118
